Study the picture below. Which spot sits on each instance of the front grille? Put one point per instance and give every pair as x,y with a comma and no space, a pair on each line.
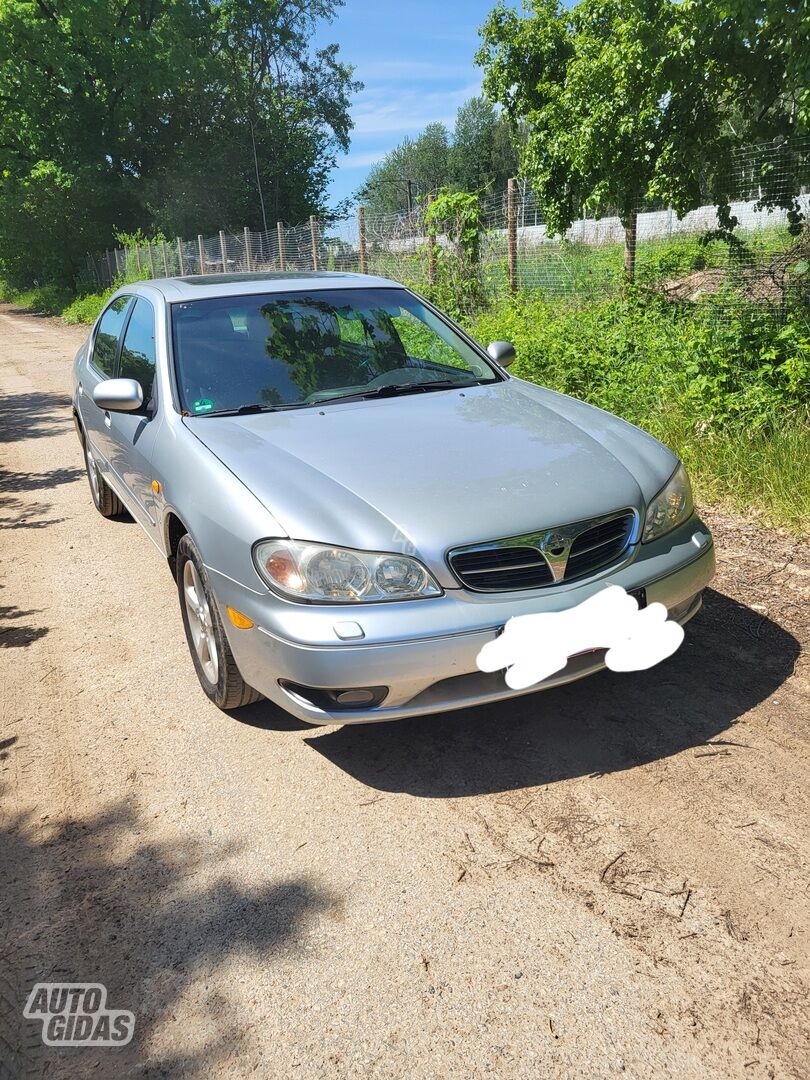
498,569
599,546
519,563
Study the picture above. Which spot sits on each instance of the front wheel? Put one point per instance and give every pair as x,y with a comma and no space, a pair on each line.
104,498
213,660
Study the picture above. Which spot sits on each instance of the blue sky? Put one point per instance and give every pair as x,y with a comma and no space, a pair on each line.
416,60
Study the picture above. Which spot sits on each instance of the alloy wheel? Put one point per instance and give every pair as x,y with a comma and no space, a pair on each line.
200,622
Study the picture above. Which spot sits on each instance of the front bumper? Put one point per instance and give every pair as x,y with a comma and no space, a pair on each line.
425,651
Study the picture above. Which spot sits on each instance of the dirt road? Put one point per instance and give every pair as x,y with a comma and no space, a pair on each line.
606,878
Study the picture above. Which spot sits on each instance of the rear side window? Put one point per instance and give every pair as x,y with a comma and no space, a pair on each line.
138,351
108,333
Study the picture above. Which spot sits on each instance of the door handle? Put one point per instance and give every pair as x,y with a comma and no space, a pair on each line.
107,418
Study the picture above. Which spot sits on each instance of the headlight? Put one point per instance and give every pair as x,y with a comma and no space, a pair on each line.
672,505
305,571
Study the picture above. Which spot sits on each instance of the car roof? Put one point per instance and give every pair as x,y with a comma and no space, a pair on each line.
209,286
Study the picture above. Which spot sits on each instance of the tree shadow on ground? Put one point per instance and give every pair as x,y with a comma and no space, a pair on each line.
15,634
732,659
33,416
20,482
96,899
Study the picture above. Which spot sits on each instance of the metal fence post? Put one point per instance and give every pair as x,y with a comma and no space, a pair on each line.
201,252
248,259
313,232
223,249
361,229
282,262
431,246
180,255
511,234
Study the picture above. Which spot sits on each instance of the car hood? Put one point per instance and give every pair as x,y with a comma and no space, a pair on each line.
425,472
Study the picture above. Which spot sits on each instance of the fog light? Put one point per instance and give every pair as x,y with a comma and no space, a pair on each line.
354,697
350,697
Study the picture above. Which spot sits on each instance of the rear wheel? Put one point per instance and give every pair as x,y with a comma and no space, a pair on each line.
213,660
104,498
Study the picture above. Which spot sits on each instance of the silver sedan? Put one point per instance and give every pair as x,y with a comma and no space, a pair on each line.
354,497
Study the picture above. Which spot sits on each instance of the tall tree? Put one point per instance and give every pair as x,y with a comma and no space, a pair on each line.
126,113
630,100
424,162
617,110
482,155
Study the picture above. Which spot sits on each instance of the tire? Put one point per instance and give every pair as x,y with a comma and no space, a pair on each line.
213,660
104,498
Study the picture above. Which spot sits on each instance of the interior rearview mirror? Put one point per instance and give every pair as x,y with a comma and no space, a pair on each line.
502,352
118,395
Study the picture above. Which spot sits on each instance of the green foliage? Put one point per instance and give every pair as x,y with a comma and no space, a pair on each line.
119,113
766,44
86,309
630,100
42,299
479,156
453,219
728,388
482,155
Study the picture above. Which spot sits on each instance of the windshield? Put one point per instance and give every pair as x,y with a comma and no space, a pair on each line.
282,350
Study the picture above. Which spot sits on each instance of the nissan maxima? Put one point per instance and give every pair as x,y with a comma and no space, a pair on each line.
354,496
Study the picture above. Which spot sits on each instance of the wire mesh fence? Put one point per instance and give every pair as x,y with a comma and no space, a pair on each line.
681,258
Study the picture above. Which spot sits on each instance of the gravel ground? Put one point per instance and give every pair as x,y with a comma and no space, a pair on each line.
610,877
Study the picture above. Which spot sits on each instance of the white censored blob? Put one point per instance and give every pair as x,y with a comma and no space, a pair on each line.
534,647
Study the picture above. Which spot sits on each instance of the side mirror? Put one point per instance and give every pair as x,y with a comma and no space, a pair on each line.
118,395
502,352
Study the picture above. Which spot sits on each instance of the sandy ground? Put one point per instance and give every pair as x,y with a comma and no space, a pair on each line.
606,878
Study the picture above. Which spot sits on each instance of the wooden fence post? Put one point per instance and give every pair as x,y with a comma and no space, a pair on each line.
138,257
109,266
180,256
223,250
431,245
201,252
511,234
151,260
165,259
313,232
361,229
248,259
282,262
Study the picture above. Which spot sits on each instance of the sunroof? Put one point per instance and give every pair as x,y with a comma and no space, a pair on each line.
226,279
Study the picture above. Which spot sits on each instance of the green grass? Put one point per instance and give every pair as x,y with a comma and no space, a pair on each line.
86,309
41,299
59,300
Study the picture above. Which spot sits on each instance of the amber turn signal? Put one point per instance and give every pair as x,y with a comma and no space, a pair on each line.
242,622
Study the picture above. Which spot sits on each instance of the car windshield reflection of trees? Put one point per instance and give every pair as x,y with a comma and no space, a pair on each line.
328,348
291,351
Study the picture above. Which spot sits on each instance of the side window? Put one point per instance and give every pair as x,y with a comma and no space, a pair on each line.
108,333
138,351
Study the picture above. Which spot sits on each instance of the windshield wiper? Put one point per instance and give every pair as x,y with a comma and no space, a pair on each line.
398,389
257,407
